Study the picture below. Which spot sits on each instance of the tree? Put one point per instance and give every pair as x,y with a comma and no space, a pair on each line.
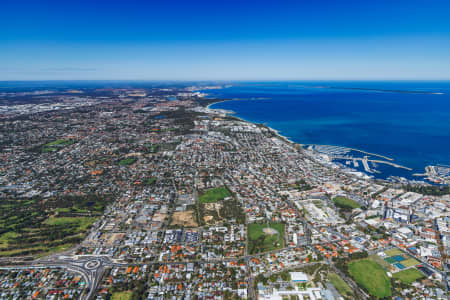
285,276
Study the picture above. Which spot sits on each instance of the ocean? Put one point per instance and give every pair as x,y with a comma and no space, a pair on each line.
407,121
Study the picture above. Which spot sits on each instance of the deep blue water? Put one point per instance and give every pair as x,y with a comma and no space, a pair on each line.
412,128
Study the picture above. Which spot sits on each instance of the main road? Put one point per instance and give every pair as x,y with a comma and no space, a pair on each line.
91,268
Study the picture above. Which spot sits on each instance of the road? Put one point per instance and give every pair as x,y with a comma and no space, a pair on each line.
91,268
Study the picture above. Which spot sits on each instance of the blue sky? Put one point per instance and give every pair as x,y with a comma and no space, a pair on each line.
240,40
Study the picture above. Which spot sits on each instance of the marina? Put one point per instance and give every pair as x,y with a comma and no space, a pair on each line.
437,174
345,153
329,149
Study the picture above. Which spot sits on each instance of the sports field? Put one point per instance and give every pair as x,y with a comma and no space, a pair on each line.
408,276
214,195
410,262
265,237
345,203
122,296
394,259
370,276
393,252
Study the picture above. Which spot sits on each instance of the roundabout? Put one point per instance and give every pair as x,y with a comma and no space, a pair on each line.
92,264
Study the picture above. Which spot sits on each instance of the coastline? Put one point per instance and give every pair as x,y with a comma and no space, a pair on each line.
276,132
280,136
289,141
208,106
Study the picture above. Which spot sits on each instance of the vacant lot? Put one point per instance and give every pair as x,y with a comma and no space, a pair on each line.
340,284
158,217
408,276
214,195
344,202
183,218
220,211
370,276
211,213
265,237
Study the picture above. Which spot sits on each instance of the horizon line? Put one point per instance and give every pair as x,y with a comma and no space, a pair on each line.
217,80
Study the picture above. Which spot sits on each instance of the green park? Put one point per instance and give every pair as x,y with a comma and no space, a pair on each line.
214,195
370,276
265,237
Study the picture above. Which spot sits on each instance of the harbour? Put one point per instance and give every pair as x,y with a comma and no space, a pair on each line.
356,123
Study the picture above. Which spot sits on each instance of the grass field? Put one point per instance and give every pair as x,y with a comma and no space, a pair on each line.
340,284
73,228
6,237
51,250
56,145
318,203
393,252
371,276
262,242
65,209
214,195
408,276
410,262
346,203
30,227
19,251
42,250
380,261
59,142
48,149
82,222
121,296
151,181
128,161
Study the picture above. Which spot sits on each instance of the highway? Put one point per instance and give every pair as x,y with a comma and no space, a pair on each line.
91,268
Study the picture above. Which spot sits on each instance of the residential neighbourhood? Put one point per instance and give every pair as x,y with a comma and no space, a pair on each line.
149,194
